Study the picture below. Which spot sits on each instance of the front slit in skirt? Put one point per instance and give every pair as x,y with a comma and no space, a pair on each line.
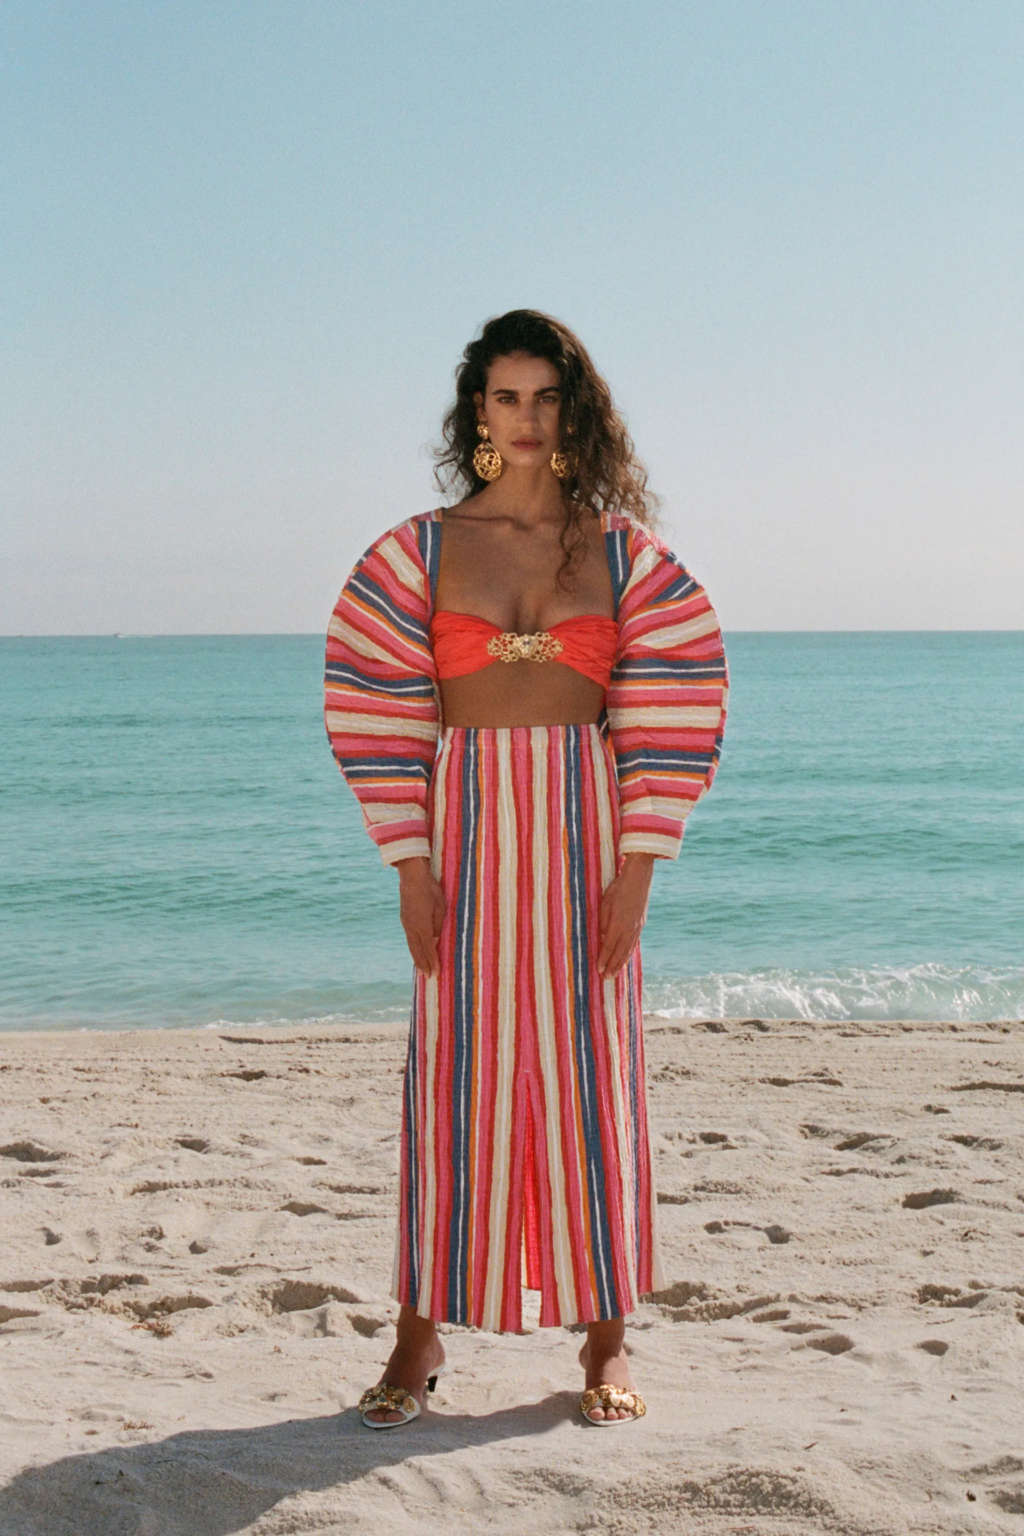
525,1148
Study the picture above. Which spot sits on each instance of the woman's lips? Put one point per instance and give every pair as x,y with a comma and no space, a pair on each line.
526,442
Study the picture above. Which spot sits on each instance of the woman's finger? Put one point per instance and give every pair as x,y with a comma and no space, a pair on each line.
620,950
423,949
607,960
606,948
604,913
617,959
612,931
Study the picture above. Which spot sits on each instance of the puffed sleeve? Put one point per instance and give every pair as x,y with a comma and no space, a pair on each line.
380,691
667,699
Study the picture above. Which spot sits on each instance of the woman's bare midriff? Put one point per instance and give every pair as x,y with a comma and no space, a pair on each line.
521,693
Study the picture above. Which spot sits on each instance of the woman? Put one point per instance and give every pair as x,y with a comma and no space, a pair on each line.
526,691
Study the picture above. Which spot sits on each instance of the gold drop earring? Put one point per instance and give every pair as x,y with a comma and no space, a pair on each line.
564,464
487,461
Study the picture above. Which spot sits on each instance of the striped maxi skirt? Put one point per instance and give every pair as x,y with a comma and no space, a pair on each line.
525,1147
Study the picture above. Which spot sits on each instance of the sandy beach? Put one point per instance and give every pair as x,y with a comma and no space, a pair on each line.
197,1247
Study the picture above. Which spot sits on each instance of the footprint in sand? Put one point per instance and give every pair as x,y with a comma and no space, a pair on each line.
11,1314
831,1343
354,1189
988,1083
821,1078
774,1233
163,1306
777,1234
671,1073
865,1139
301,1295
102,1285
366,1326
28,1151
918,1200
977,1294
690,1301
304,1208
717,1139
163,1186
1002,1481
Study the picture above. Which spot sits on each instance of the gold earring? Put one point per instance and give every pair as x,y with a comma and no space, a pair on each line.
487,461
564,464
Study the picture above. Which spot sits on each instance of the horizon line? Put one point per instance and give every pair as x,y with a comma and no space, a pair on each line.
308,634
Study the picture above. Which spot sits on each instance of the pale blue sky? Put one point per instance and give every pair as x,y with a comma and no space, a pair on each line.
244,245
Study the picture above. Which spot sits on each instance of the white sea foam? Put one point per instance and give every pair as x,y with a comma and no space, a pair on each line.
921,992
924,992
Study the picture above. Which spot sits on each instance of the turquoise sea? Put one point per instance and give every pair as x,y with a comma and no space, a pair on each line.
177,846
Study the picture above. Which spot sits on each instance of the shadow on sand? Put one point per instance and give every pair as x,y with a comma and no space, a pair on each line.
216,1482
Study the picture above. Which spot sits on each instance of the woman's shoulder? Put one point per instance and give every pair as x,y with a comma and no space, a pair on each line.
413,536
636,540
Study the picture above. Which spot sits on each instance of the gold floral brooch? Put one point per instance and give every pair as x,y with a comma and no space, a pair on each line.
542,646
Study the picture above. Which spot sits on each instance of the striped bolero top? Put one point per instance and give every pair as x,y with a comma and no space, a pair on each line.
665,696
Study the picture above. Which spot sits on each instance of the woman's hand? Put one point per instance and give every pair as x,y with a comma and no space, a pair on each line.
623,910
421,906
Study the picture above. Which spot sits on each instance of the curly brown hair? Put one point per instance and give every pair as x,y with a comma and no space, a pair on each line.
605,474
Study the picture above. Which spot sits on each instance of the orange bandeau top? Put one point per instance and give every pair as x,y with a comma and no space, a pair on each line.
464,642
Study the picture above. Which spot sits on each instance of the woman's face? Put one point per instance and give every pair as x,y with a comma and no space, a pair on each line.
521,407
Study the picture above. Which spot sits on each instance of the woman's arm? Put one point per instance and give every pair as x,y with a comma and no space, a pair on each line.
380,692
667,698
666,713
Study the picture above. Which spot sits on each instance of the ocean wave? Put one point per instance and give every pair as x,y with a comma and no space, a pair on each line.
923,992
926,992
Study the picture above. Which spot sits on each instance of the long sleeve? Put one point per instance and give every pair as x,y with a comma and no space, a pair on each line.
380,690
667,699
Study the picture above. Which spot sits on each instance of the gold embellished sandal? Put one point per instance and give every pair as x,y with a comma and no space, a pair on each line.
389,1399
606,1396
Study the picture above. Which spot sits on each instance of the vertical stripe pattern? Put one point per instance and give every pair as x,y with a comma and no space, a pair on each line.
525,1142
